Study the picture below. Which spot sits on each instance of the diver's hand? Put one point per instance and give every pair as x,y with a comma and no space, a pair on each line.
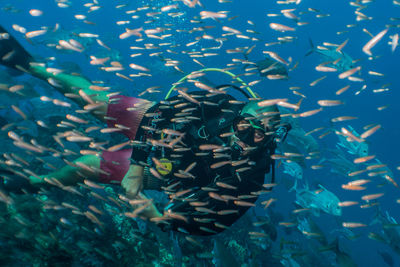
133,181
132,185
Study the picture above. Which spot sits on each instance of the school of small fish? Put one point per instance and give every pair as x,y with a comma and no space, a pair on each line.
155,39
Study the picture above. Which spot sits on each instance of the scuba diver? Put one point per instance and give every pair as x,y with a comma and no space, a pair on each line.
206,150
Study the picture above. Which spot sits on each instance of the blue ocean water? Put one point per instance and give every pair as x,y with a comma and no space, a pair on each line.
384,144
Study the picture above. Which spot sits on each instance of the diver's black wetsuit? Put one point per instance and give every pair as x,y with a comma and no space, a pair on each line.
216,196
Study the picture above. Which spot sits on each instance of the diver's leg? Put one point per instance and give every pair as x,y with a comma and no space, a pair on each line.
83,168
13,55
106,168
67,83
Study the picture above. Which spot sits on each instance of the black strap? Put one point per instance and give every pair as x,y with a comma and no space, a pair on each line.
235,87
272,171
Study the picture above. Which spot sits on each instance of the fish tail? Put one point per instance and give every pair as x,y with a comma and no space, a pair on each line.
312,47
294,187
377,219
245,56
12,54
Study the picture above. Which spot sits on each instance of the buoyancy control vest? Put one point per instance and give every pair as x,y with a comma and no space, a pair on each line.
206,186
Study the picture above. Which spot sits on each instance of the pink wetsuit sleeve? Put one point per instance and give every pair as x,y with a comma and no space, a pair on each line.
126,113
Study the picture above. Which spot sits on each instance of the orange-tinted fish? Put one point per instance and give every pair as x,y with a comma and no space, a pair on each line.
300,210
220,164
93,184
342,90
243,203
78,138
371,43
363,159
329,103
359,182
280,27
390,179
188,97
271,102
217,196
347,203
227,212
353,187
349,134
325,68
268,202
355,173
348,73
370,131
213,15
353,224
287,224
205,210
343,118
309,113
314,83
372,196
19,111
76,119
227,186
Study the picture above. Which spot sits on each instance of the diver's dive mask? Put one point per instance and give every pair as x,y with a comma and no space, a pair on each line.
249,130
253,135
250,135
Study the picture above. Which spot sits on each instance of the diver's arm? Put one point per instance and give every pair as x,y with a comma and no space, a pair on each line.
71,175
74,85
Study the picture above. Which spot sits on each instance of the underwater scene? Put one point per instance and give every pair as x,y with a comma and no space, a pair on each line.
199,133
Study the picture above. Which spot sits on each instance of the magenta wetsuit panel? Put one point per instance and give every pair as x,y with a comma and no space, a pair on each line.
117,163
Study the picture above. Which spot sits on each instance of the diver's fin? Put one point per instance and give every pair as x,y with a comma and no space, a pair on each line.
12,54
12,183
312,47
